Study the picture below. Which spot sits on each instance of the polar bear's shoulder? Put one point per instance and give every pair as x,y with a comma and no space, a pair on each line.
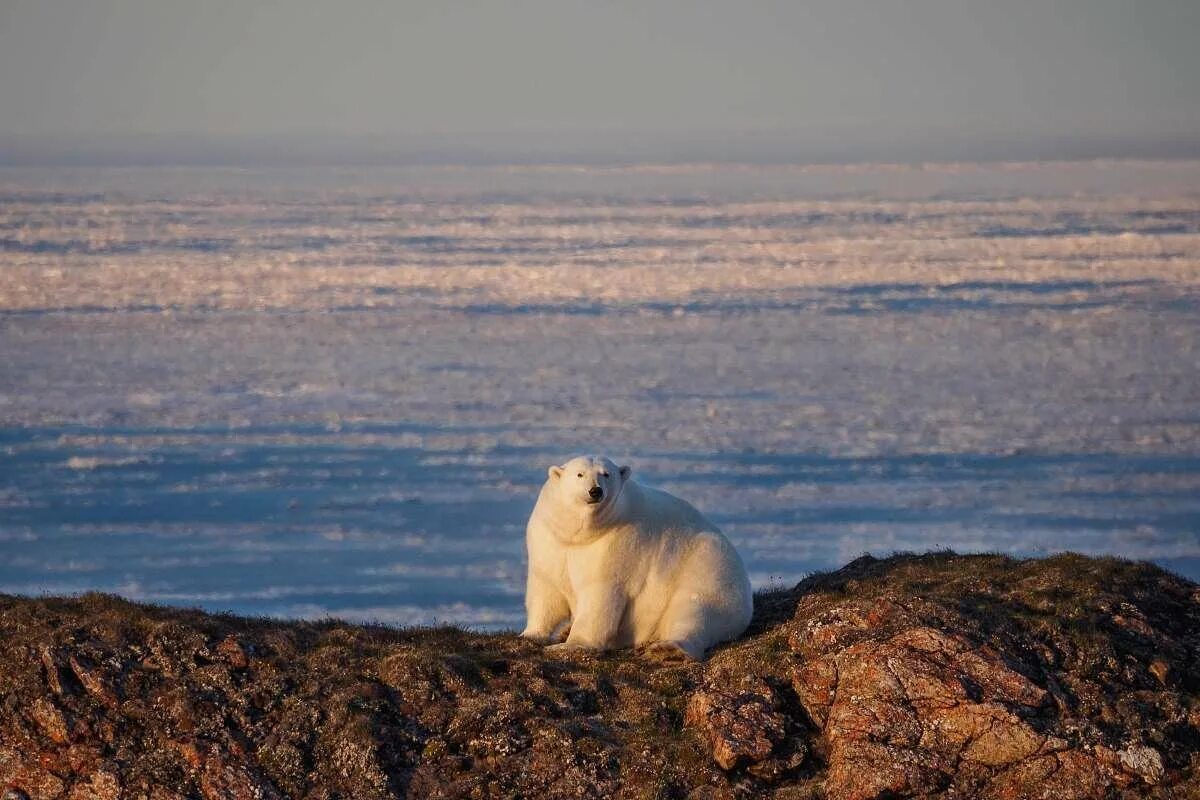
660,506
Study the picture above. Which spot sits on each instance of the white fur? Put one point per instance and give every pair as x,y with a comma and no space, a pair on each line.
639,567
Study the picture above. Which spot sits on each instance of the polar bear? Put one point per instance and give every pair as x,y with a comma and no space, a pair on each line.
629,566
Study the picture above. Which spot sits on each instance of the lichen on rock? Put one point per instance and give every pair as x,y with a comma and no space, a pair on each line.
913,676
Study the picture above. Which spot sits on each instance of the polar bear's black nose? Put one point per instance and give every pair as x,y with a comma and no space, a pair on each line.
595,492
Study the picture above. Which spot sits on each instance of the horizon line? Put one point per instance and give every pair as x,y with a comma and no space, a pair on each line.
514,149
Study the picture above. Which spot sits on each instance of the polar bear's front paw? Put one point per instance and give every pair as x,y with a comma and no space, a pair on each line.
543,637
566,647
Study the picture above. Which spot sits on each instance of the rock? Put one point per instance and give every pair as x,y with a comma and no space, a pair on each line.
176,648
1069,775
738,718
159,793
1143,761
226,779
866,769
916,697
93,679
55,677
101,785
83,758
936,676
814,683
234,654
1133,624
50,719
22,772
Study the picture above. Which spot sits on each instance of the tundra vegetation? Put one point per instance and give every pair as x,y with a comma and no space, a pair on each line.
938,675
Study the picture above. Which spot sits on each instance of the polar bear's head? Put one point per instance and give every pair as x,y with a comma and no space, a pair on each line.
591,483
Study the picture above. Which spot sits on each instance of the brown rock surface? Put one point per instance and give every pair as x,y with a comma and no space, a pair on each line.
50,719
738,716
930,676
101,785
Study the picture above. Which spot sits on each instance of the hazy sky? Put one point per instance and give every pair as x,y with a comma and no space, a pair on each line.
801,75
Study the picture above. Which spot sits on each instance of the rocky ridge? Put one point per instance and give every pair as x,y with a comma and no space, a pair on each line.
914,676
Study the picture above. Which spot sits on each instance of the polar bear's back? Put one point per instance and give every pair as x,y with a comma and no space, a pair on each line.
656,508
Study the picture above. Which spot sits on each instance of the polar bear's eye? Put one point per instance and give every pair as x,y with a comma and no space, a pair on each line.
580,475
605,474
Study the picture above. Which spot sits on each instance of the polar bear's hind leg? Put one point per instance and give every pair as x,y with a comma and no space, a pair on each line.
684,628
670,651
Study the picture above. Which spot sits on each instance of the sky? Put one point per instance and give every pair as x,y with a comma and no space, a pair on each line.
832,79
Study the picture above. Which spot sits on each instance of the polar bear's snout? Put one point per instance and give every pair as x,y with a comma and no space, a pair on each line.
595,494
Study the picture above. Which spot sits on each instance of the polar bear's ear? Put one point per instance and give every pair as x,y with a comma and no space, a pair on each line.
554,473
626,472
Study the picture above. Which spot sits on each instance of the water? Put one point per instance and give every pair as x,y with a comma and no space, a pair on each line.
335,392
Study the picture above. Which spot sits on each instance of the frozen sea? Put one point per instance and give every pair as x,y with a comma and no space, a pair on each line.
314,392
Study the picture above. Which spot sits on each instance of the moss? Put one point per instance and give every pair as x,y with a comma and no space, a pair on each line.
331,709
